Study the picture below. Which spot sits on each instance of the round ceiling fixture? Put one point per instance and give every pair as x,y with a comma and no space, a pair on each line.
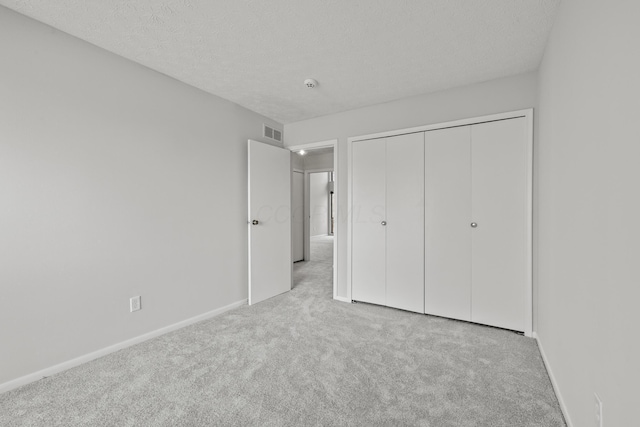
311,83
302,152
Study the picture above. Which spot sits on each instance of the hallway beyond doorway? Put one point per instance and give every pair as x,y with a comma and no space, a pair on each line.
319,270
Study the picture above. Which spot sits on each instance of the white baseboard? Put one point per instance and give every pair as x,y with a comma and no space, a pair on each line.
10,385
554,383
343,299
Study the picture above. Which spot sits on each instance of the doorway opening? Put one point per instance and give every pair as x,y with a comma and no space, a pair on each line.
315,214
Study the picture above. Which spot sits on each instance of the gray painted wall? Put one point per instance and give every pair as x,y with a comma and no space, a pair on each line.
318,161
115,181
512,93
589,208
297,161
311,161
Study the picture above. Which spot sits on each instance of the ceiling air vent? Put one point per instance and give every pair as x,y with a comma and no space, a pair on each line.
272,133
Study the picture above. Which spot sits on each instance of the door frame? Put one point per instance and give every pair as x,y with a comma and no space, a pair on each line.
528,115
336,232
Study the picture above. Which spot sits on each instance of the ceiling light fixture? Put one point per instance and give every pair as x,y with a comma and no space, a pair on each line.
311,83
302,152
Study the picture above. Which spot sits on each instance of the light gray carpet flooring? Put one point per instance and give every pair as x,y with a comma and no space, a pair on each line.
303,359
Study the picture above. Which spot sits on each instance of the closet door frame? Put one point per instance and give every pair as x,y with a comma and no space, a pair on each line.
528,115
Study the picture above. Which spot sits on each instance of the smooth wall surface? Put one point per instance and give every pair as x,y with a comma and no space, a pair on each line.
588,252
496,96
115,181
318,161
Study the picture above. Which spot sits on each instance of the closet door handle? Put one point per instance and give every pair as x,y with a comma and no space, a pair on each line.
383,223
255,222
474,225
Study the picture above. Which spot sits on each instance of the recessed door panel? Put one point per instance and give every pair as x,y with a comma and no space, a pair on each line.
447,222
368,212
498,158
405,222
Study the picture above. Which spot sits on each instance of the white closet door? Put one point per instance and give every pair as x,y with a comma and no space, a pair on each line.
368,211
447,223
498,159
405,222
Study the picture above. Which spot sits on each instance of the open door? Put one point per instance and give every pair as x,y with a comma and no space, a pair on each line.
270,262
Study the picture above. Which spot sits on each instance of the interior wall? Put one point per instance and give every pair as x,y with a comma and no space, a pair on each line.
297,161
116,181
319,203
589,146
311,161
318,161
495,96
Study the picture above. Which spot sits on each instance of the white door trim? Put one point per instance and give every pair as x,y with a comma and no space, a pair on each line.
528,115
322,144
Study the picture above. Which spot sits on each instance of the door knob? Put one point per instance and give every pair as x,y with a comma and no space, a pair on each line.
255,222
384,223
474,225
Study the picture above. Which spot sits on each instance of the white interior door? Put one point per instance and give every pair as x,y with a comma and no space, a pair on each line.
270,262
405,222
368,213
499,208
297,216
448,223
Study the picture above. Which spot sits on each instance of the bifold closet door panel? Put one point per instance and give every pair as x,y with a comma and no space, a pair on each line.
368,212
499,182
405,222
448,222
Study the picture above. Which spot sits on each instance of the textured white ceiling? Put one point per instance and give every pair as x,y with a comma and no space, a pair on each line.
362,52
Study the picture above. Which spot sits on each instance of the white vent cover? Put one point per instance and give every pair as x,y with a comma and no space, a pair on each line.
272,133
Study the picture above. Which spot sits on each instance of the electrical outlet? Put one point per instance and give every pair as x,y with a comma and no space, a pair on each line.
598,410
134,304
